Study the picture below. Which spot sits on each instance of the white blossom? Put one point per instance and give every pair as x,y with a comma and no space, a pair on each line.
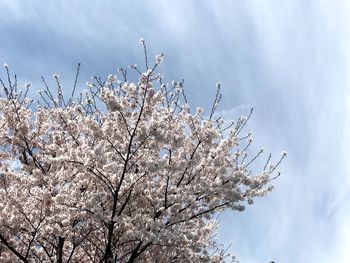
112,78
135,174
159,58
89,84
86,92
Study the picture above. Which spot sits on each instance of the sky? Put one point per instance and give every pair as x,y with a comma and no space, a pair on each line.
289,59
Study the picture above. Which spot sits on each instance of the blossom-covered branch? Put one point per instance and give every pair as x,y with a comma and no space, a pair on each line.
123,173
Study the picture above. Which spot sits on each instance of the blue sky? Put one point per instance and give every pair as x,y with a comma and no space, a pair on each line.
289,59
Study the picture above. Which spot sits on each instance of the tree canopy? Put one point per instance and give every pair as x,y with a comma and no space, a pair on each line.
125,172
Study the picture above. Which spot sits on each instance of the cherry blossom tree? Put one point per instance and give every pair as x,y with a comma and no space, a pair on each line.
125,172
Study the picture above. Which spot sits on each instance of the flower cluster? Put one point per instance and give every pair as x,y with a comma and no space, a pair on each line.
127,175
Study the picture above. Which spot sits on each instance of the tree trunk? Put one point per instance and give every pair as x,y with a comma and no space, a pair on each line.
108,256
59,250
